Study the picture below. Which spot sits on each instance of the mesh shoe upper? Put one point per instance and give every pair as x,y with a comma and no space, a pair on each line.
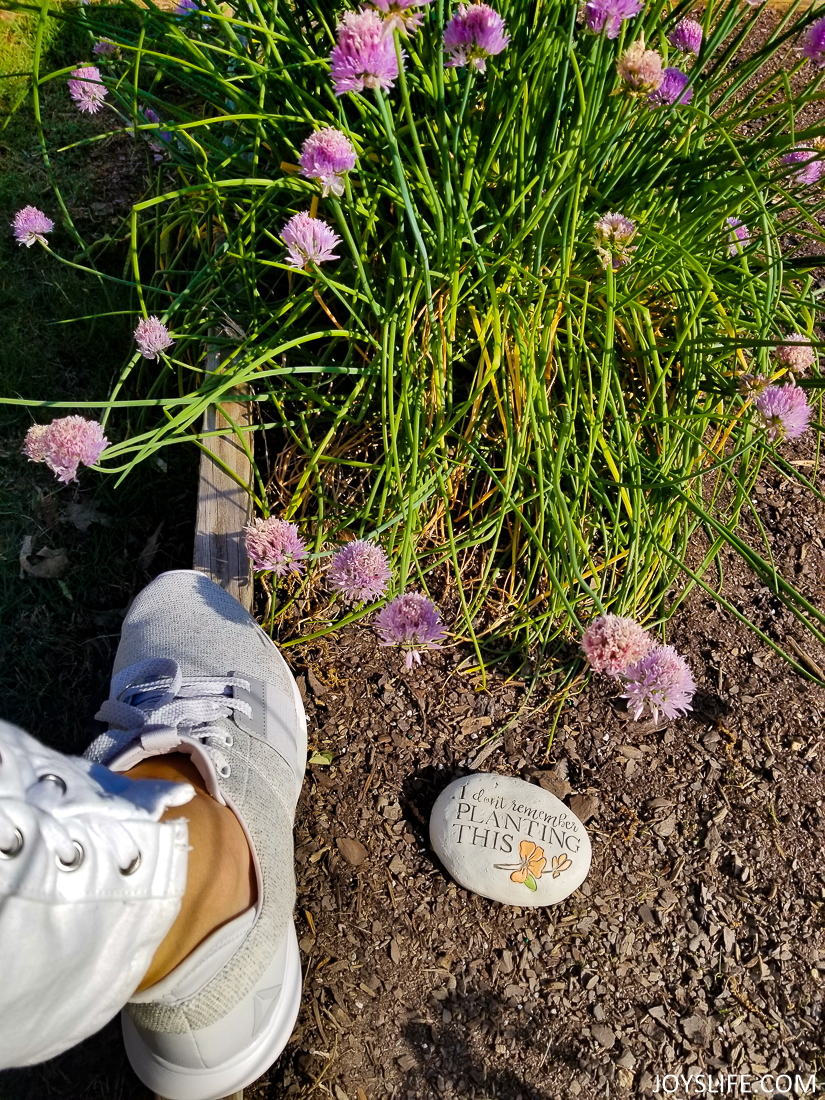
250,737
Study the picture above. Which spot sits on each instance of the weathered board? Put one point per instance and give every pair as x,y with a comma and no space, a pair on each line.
224,505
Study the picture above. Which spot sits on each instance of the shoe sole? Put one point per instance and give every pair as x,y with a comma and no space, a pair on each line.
173,1083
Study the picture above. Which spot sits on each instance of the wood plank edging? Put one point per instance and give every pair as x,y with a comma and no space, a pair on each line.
224,507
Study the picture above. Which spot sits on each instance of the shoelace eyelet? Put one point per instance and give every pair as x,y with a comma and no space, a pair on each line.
75,863
16,848
225,771
50,777
133,866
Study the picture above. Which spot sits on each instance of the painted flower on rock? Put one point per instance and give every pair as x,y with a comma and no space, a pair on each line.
640,69
659,681
152,337
811,168
30,225
686,36
87,89
613,234
65,444
673,89
359,571
608,15
814,45
738,236
412,622
364,56
612,642
274,544
473,35
796,353
327,156
784,410
399,14
309,240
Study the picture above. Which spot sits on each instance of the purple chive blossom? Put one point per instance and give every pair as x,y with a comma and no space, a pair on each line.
686,36
672,89
152,337
364,56
184,7
308,240
359,571
65,444
613,234
785,412
814,45
796,353
612,642
87,89
399,15
640,70
274,544
164,135
326,156
660,681
106,48
812,167
152,116
738,236
474,34
412,622
30,225
608,15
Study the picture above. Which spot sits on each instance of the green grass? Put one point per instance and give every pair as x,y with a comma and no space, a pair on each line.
18,30
535,438
58,636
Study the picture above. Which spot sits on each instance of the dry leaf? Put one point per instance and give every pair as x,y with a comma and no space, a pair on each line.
321,758
47,565
82,516
475,723
352,850
147,554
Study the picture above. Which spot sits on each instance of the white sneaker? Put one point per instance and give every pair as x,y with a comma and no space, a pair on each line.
194,673
90,883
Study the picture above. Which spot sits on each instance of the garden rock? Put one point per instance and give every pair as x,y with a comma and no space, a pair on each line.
509,841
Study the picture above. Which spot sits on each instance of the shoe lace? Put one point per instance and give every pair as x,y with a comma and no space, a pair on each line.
154,703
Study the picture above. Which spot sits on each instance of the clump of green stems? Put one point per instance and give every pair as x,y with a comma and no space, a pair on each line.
467,382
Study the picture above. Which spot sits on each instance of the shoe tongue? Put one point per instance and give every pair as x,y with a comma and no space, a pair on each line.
143,749
201,966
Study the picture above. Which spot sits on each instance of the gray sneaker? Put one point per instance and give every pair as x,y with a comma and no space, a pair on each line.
194,673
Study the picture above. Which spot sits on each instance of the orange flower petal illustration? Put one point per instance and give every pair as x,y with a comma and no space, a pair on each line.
537,863
519,875
526,850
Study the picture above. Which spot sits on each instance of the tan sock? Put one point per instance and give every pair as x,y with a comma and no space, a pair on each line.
220,883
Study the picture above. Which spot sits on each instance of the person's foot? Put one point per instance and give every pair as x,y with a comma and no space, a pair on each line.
221,883
196,677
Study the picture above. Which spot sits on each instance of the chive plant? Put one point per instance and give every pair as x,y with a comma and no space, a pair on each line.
559,257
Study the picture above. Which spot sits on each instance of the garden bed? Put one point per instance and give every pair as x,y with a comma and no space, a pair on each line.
697,940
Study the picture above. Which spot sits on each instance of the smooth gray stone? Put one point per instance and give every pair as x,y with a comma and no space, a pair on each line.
487,828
